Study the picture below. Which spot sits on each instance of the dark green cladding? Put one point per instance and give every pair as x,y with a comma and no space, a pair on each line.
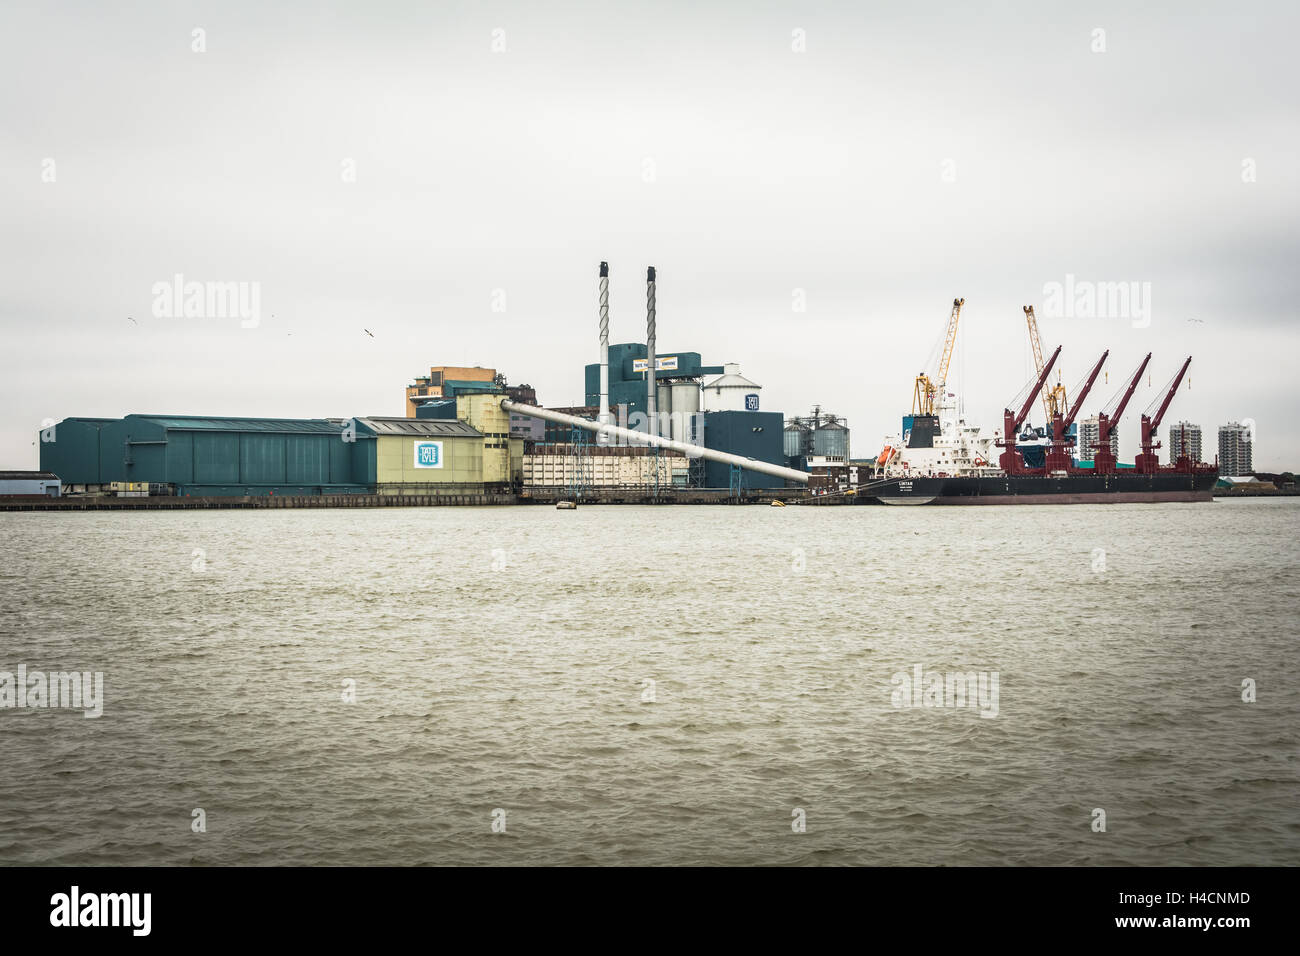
213,456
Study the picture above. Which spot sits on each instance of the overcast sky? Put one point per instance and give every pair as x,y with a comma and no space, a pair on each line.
408,167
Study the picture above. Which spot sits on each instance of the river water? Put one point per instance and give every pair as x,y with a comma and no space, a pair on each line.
670,685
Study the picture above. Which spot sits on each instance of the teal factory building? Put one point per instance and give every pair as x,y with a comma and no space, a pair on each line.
747,432
751,434
627,385
213,456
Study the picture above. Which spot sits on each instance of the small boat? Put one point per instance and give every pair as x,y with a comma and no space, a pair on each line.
778,503
566,505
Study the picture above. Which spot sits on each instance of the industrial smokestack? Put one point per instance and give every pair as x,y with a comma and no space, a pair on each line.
604,417
651,418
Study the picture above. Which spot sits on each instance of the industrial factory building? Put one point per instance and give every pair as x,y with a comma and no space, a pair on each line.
749,434
817,441
429,456
564,466
445,381
465,431
29,484
719,413
627,379
217,457
468,450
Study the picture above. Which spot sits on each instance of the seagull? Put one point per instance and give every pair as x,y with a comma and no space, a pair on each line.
129,319
1198,321
369,333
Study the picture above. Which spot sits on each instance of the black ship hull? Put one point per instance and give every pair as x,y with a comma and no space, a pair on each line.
1041,489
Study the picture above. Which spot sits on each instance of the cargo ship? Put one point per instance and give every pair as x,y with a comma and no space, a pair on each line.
940,459
1068,489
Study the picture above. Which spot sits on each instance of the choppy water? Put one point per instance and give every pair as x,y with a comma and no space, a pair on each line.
771,636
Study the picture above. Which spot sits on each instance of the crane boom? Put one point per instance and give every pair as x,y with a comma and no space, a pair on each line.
1113,419
1011,460
1083,394
1169,397
1103,459
1019,419
1037,346
950,341
1054,401
926,387
1146,462
1058,456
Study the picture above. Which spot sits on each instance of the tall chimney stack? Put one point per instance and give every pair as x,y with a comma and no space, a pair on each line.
651,418
604,416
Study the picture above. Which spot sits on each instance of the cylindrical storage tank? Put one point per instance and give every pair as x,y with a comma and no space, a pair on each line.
731,392
794,441
831,441
664,406
685,406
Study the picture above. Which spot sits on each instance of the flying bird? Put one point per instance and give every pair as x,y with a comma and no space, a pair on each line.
1197,321
369,333
129,319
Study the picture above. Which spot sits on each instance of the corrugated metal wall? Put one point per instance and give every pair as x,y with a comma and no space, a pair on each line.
735,432
484,414
462,460
73,455
208,461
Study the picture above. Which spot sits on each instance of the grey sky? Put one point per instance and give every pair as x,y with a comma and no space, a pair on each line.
774,170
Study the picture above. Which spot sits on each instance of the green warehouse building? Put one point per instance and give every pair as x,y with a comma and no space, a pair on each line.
234,457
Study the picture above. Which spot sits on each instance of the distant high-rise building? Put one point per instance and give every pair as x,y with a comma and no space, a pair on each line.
1184,432
1090,436
1235,451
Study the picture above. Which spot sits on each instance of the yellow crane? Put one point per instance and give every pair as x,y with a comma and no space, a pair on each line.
927,388
1054,402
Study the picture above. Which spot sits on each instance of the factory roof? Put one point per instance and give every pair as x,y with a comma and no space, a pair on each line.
731,380
432,427
208,423
28,476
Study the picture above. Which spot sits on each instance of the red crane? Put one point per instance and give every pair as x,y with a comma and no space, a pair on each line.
1103,461
1058,456
1147,463
1011,461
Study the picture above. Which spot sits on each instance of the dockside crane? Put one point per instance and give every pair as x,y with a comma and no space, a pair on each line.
1103,459
1010,460
1146,462
1054,400
926,388
1058,456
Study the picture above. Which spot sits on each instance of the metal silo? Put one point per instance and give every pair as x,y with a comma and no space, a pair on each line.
685,407
831,440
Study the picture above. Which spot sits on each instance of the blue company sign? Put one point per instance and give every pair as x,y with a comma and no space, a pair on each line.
751,402
428,454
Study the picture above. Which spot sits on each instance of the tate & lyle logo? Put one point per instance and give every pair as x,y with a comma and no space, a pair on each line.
428,454
751,402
